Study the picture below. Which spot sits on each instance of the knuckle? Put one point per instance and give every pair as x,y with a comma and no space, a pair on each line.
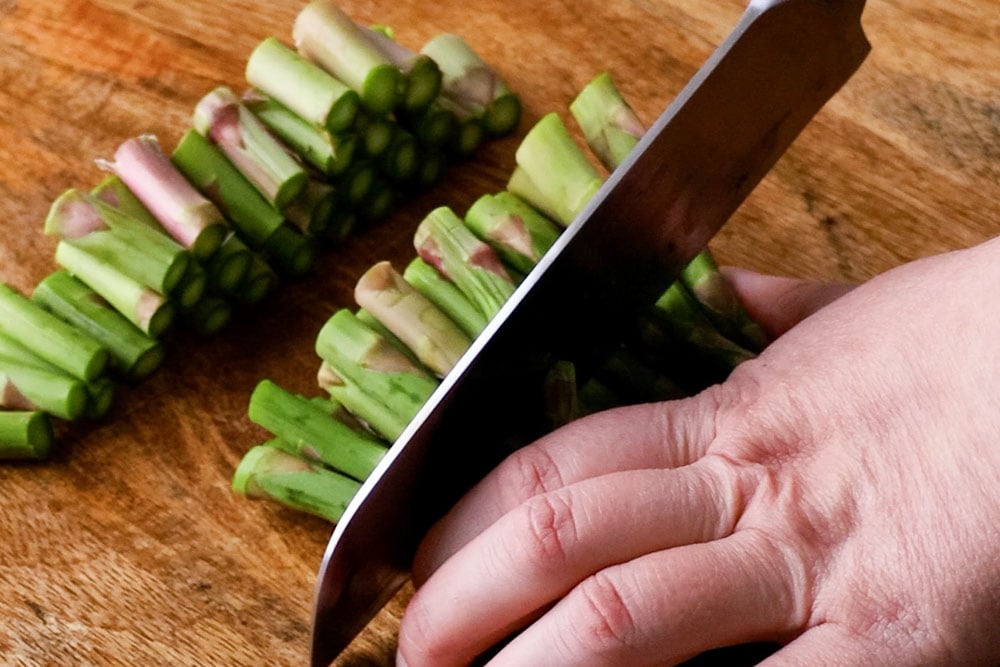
605,619
548,531
527,473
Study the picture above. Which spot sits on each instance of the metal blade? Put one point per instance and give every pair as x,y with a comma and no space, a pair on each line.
696,165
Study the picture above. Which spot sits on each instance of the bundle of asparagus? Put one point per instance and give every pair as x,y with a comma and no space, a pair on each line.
324,139
381,362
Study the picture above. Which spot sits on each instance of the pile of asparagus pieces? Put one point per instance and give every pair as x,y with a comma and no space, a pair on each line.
330,135
380,363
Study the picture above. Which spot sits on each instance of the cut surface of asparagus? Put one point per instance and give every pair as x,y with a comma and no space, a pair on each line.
28,383
221,117
324,34
259,282
446,296
134,355
308,431
208,316
25,435
432,336
100,398
229,265
314,208
291,253
207,167
376,414
423,77
516,230
610,125
301,86
375,325
113,192
269,472
443,241
188,217
54,340
192,287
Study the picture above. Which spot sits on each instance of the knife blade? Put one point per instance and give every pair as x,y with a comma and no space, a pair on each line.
698,162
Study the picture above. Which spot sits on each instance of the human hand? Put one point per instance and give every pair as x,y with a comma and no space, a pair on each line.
838,494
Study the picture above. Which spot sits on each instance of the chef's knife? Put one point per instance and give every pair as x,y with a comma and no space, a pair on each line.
689,173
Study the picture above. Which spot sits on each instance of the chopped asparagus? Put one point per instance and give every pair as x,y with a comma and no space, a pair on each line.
379,202
259,282
192,287
314,208
609,124
423,77
443,294
28,382
375,325
379,417
291,253
209,316
716,295
25,435
515,229
228,267
100,398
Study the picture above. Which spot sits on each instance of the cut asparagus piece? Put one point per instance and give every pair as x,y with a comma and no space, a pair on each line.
291,253
113,192
716,295
443,294
423,77
436,126
131,246
431,171
100,398
401,159
327,36
209,316
259,282
208,168
634,381
301,86
516,230
555,168
468,80
134,355
229,265
57,342
358,183
221,117
375,325
562,403
330,154
375,133
343,222
314,208
192,287
443,241
434,338
609,124
378,417
269,472
379,202
28,382
145,308
308,431
25,435
188,217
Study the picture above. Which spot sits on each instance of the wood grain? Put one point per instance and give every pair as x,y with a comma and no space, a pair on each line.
128,547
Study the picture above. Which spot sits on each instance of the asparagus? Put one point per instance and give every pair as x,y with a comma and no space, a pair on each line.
229,265
192,287
28,382
130,246
267,471
249,145
423,77
609,124
301,86
469,81
341,224
134,355
361,357
259,282
562,403
379,417
434,338
443,241
431,170
517,231
436,126
327,36
57,342
145,308
306,430
208,168
379,202
208,316
100,398
376,325
185,214
291,253
358,183
331,154
113,192
553,174
401,158
25,435
717,297
443,294
314,208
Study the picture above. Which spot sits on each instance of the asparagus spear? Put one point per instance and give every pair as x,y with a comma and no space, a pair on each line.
443,294
192,287
25,435
100,398
186,215
229,265
436,126
375,133
259,282
57,342
515,229
314,208
290,252
373,323
562,403
443,241
301,86
327,36
423,77
268,471
716,295
378,416
28,382
306,430
113,192
251,148
134,355
208,316
609,124
379,202
358,183
401,159
434,338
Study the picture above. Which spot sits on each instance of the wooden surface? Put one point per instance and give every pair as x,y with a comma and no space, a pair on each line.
128,548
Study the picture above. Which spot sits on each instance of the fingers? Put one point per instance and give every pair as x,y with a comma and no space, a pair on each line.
828,645
666,607
538,552
779,303
661,435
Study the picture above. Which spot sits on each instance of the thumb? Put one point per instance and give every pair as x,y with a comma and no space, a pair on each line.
778,303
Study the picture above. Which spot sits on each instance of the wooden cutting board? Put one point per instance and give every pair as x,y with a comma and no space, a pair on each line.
128,548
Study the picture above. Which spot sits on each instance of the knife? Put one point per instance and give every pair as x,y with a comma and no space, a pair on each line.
698,162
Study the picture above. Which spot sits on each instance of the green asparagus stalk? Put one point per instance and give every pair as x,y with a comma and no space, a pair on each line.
301,86
327,36
375,133
306,430
25,435
717,297
269,472
373,323
423,77
433,164
28,382
358,183
100,398
330,154
259,282
362,357
430,334
314,208
337,410
443,241
145,308
379,202
342,223
209,316
192,287
57,342
519,233
208,169
113,192
379,417
443,294
134,355
401,158
186,215
436,126
291,253
228,267
609,124
222,118
634,381
562,403
553,174
473,84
